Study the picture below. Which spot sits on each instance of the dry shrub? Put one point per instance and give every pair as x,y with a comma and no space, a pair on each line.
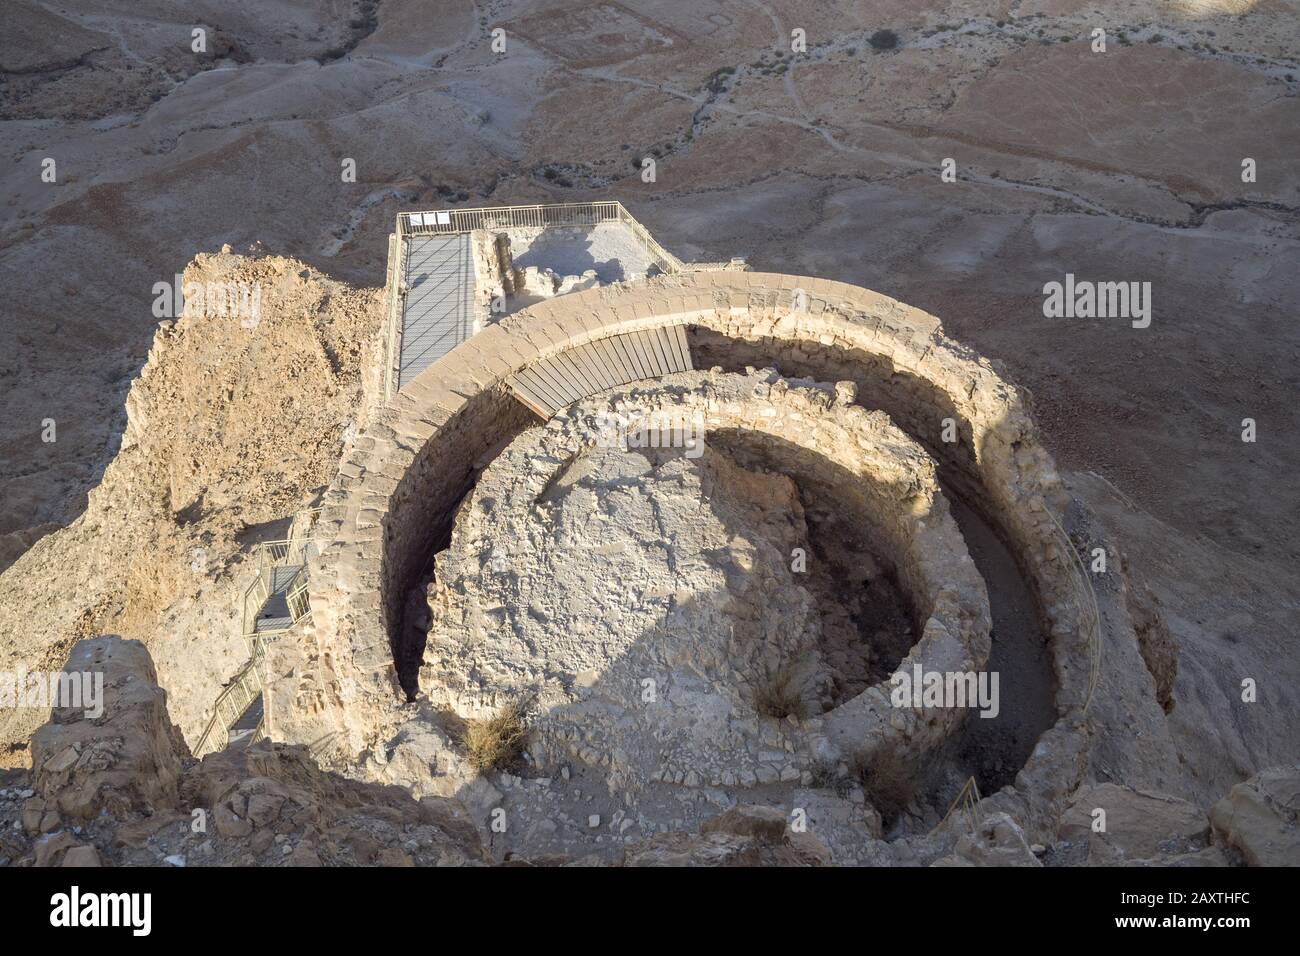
495,741
890,780
778,693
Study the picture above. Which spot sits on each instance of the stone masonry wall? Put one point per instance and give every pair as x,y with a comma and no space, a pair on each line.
883,482
382,507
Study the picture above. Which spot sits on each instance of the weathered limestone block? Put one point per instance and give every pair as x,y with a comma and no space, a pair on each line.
1260,818
1139,824
127,757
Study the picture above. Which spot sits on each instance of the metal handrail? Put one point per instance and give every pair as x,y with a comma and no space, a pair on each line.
255,596
968,801
540,215
731,265
231,703
249,681
666,261
537,216
392,310
298,599
259,589
281,552
498,217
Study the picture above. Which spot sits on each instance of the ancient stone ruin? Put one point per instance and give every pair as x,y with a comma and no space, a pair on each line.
694,537
674,563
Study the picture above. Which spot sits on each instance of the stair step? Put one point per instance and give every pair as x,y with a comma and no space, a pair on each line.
282,578
251,717
274,614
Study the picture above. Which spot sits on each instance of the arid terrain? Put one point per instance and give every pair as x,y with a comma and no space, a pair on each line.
1171,157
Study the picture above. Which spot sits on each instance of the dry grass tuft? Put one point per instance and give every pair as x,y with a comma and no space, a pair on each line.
495,741
890,781
778,693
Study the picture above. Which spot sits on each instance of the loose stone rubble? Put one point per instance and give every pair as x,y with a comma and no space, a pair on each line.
122,789
134,796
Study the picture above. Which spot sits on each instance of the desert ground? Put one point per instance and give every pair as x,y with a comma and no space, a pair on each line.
1119,165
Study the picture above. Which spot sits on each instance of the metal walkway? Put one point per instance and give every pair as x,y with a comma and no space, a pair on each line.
559,380
244,731
275,614
275,600
436,314
429,299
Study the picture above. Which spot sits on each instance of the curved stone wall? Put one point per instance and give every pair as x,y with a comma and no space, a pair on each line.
884,486
387,511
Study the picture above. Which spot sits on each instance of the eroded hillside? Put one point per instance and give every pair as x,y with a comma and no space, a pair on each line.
235,421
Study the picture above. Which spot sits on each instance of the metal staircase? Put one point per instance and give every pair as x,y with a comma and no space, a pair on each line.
274,602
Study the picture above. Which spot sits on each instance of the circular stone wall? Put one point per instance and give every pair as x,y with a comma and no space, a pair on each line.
389,509
646,596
